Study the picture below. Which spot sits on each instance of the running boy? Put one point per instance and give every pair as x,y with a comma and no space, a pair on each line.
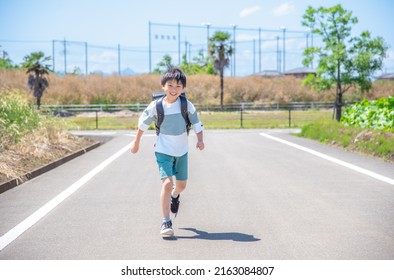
171,147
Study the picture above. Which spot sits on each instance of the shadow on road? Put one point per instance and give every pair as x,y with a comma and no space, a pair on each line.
235,236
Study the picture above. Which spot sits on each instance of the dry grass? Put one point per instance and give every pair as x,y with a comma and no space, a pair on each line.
201,89
47,143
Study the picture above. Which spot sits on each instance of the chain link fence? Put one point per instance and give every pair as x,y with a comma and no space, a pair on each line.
256,50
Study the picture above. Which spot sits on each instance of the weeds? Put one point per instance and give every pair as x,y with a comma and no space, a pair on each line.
29,140
17,116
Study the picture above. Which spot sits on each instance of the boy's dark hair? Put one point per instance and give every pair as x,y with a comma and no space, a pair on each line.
174,73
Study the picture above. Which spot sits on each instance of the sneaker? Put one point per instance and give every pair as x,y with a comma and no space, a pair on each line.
175,204
166,229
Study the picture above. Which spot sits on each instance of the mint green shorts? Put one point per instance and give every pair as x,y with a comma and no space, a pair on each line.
172,166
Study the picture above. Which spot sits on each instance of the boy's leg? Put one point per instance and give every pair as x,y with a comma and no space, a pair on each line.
181,179
165,199
180,186
165,196
165,164
181,175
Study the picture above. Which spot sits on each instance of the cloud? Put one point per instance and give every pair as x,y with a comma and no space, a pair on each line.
284,9
248,11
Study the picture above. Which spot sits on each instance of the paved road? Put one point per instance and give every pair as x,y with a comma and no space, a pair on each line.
249,197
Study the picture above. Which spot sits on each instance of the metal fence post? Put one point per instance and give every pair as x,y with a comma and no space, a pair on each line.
242,109
96,119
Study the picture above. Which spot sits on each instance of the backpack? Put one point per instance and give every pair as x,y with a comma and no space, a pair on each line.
160,110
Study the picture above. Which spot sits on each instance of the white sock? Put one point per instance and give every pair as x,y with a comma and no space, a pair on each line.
173,194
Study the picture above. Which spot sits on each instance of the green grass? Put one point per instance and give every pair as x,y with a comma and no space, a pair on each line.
372,142
211,120
329,131
381,144
104,123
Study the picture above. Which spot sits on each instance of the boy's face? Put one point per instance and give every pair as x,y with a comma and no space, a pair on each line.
172,90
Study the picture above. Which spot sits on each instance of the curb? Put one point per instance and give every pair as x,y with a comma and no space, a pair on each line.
41,170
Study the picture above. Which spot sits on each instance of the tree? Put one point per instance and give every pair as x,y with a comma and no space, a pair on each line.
163,65
5,61
220,51
343,61
37,82
196,66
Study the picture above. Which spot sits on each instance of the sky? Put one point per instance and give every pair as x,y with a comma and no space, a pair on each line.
27,26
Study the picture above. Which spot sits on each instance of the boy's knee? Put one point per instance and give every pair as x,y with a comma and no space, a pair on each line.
168,184
181,185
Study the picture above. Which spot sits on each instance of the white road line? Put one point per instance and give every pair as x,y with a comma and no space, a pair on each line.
14,233
337,161
95,133
144,135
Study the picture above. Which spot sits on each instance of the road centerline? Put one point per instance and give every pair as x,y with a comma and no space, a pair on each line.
19,229
332,159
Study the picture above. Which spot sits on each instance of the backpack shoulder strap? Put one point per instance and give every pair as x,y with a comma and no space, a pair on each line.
160,114
184,113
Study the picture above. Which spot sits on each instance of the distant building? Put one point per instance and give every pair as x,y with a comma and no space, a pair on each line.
300,72
269,74
386,77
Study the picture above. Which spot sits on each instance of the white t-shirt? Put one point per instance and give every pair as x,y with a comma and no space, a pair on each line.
173,139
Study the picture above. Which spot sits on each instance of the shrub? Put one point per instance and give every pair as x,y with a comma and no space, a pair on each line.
17,116
378,114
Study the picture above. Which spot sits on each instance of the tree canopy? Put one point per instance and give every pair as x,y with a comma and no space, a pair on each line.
343,60
5,61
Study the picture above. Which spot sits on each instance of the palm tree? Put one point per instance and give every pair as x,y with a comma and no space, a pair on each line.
220,51
37,82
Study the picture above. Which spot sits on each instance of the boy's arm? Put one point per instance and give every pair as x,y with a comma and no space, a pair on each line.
135,145
197,125
200,141
144,121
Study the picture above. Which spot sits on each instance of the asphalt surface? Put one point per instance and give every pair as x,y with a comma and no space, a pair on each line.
248,197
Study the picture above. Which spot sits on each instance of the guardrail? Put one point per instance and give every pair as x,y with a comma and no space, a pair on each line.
267,106
245,111
138,107
78,108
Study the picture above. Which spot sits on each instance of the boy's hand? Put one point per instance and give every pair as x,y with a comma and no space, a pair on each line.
200,145
200,142
134,147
